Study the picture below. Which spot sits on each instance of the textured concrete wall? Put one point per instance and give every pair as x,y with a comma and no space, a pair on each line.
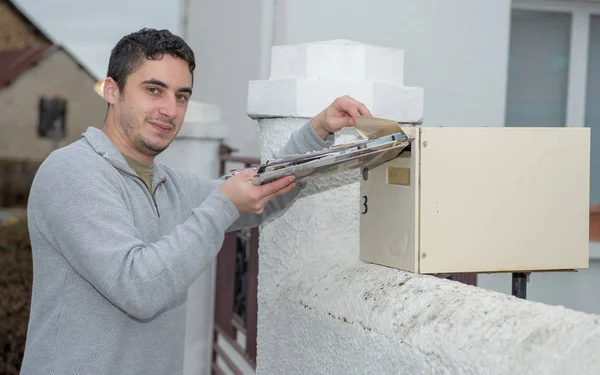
359,318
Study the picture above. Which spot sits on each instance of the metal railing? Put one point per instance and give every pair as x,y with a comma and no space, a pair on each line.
236,290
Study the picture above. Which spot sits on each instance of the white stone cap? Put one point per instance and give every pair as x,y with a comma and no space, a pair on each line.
338,60
203,121
306,78
304,98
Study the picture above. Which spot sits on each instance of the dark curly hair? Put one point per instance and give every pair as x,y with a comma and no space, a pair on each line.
132,49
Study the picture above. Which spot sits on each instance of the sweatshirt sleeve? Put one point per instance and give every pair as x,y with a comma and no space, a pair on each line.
302,140
82,213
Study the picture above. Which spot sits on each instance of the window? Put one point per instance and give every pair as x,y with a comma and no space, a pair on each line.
538,69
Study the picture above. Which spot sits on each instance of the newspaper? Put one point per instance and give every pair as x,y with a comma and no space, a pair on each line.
383,140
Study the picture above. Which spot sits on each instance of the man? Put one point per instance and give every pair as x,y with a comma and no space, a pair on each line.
117,239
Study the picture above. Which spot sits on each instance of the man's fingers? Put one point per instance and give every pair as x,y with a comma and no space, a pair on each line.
353,111
275,186
355,108
285,190
364,110
360,108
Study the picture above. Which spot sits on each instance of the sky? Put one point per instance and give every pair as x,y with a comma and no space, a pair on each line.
90,28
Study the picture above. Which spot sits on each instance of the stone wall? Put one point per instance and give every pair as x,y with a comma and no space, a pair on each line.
15,181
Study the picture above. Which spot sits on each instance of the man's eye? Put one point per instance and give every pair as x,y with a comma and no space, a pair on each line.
153,90
182,98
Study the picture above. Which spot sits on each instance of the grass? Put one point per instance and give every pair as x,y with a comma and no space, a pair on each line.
15,294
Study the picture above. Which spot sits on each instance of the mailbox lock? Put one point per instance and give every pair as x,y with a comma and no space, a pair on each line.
424,255
365,174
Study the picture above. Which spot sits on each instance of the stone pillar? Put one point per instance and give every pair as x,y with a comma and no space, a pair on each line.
196,150
321,229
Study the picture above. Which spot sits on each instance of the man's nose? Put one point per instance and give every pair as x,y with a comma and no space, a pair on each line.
168,107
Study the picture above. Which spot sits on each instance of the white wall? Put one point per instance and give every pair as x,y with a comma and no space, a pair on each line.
226,39
455,50
459,57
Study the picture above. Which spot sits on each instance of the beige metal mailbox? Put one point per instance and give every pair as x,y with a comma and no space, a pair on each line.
480,199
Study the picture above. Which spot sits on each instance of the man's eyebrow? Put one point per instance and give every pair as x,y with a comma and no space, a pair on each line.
162,84
155,82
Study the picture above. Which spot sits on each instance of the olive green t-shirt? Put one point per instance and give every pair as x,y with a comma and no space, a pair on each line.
144,171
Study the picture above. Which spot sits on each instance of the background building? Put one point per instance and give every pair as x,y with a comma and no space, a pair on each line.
33,66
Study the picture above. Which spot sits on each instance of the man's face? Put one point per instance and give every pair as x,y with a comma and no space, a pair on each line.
152,105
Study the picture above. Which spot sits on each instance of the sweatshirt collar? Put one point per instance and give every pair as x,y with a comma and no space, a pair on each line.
104,147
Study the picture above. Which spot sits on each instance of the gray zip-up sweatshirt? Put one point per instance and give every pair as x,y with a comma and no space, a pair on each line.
112,262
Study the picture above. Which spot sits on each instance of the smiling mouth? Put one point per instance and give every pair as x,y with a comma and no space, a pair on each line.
161,126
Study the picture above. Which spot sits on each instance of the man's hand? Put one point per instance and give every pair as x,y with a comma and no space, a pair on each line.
338,115
249,198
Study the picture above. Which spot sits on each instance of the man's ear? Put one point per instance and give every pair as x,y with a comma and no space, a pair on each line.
110,90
